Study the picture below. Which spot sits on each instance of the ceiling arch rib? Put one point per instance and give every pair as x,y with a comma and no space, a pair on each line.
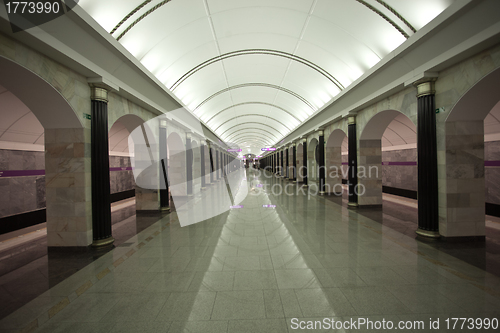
246,133
253,115
253,122
251,138
251,129
255,84
253,103
277,53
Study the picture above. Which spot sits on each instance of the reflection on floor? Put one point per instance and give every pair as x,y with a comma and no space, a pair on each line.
27,269
254,268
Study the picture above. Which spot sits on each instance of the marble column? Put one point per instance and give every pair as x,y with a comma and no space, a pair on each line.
321,153
282,173
101,192
352,179
189,165
304,156
294,156
428,209
203,162
164,195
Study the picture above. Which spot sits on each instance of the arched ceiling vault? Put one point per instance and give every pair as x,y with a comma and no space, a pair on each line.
282,60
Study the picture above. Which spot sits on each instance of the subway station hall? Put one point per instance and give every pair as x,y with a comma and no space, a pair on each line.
250,166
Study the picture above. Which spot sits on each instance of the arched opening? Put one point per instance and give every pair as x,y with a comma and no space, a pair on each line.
336,149
387,150
44,193
312,161
471,141
43,148
122,182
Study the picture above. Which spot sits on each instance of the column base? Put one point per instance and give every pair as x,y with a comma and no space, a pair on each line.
428,233
103,242
295,181
305,185
203,188
321,192
165,209
352,205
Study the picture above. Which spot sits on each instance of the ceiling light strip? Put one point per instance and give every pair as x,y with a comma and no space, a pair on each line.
248,103
391,22
142,17
287,55
266,85
130,14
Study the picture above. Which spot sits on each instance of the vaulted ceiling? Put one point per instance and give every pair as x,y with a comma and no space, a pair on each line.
252,71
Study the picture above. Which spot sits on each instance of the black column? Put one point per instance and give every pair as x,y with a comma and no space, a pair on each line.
101,193
321,153
294,156
428,214
304,152
352,179
286,163
189,165
212,167
164,196
217,165
202,154
282,174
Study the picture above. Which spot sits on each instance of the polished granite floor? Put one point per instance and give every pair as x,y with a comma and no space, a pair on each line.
256,268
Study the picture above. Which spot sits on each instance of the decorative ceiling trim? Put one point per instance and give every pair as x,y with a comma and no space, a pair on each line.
272,137
249,103
266,85
260,134
252,122
238,53
399,16
385,17
142,17
251,138
253,115
136,9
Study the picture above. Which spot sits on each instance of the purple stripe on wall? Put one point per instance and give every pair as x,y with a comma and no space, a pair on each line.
399,163
120,169
21,173
492,163
27,173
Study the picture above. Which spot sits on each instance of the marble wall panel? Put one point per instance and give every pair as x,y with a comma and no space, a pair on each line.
369,172
400,176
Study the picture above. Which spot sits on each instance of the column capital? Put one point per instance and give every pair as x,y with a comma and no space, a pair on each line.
98,94
351,119
425,86
304,140
321,132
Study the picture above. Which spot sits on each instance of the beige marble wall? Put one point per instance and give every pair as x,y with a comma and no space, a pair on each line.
460,149
370,172
207,166
300,163
196,167
68,187
333,163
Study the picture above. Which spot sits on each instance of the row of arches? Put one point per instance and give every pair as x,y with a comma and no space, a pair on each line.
386,155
